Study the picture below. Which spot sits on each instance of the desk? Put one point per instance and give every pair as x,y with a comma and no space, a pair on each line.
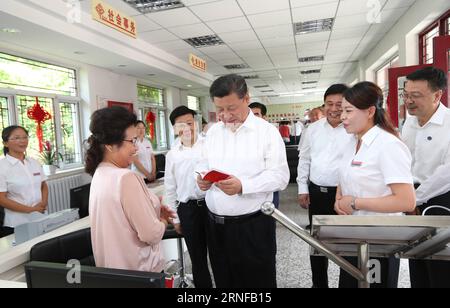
13,258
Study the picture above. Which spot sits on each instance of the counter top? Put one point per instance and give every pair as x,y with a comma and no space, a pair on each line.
13,257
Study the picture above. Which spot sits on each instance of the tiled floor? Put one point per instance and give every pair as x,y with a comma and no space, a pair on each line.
293,267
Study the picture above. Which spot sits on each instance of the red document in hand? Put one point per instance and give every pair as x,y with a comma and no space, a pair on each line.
214,176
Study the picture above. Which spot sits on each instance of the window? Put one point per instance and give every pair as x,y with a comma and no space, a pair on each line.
382,77
150,95
193,103
152,100
48,127
54,88
24,74
439,27
4,116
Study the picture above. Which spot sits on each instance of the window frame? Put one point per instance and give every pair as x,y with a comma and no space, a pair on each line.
442,23
12,94
158,107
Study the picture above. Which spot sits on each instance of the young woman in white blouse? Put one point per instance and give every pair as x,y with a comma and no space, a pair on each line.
144,162
375,173
23,191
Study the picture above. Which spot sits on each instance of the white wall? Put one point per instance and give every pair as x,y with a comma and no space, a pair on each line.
402,39
97,86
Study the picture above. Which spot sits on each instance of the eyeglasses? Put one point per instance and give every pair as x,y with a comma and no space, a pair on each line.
414,96
133,141
18,138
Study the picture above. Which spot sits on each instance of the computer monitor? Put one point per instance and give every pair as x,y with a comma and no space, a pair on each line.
79,198
54,275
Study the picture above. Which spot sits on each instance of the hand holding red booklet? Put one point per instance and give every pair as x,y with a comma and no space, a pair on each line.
214,176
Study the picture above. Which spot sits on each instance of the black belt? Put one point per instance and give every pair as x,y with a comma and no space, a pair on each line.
223,220
199,202
323,189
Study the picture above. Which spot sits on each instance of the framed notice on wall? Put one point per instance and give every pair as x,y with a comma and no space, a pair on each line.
128,106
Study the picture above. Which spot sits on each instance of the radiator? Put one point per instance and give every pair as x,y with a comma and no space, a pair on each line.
59,192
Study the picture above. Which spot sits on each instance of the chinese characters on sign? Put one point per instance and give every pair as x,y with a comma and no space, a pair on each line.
197,63
111,17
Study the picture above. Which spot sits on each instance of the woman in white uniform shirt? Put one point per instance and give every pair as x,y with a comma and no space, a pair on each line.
375,174
23,191
145,163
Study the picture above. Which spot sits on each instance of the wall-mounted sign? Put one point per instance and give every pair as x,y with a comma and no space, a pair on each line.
197,63
111,17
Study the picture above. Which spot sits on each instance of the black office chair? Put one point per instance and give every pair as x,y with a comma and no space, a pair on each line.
76,245
160,165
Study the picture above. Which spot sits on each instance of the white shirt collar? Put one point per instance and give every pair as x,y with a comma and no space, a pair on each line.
370,135
250,122
327,124
12,160
439,116
179,145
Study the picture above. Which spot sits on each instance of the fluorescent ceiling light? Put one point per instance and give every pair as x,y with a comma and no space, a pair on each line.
151,6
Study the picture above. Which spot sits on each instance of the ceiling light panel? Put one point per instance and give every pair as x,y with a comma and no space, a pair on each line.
311,59
204,41
313,26
151,6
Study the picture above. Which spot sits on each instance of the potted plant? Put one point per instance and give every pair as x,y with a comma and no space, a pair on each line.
49,158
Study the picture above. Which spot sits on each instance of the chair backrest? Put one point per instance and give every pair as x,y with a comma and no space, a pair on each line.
76,245
55,275
79,198
160,165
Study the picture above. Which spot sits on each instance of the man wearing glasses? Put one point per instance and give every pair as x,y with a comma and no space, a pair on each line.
427,135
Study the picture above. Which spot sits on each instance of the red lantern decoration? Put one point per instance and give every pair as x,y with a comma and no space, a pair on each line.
40,115
150,119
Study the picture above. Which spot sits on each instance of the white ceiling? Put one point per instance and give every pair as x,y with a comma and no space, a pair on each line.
259,33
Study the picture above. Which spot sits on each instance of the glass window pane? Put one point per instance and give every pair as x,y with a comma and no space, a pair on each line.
70,148
4,116
24,103
162,130
150,95
24,74
193,103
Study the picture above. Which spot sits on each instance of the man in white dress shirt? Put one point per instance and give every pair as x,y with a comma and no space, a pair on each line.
241,240
320,153
183,195
427,135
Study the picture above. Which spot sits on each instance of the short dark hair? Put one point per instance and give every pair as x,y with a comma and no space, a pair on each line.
141,122
437,79
108,126
6,133
228,84
339,88
180,111
260,106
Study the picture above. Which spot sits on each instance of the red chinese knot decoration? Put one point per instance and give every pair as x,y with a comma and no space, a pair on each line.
150,119
40,115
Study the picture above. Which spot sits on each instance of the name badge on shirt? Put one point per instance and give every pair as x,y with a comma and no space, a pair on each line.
324,190
356,163
37,174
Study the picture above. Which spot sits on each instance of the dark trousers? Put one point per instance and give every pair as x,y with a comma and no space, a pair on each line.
276,199
388,274
5,231
427,273
321,203
242,252
193,224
